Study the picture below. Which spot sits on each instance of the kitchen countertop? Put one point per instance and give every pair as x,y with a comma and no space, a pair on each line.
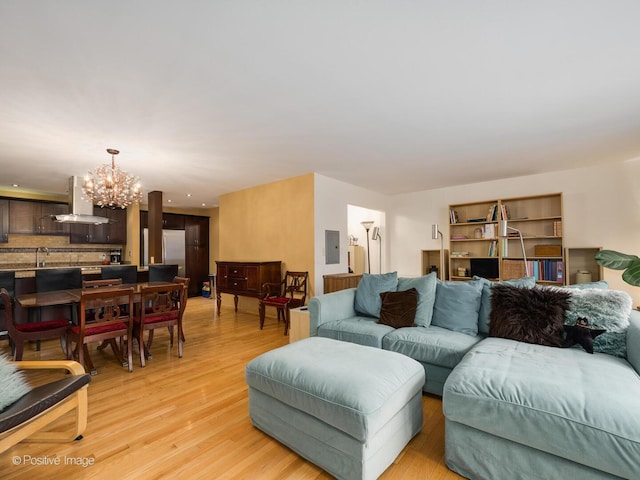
23,271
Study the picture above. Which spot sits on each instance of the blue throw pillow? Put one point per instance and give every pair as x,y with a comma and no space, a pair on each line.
485,305
457,305
426,287
368,301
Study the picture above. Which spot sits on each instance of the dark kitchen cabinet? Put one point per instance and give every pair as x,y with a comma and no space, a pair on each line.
114,232
4,221
173,221
35,218
170,221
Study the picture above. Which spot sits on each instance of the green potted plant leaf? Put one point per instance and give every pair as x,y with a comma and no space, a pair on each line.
621,261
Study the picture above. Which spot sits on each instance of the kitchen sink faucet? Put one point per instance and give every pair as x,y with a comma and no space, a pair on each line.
45,250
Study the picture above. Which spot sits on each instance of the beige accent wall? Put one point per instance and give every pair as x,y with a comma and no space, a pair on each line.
269,222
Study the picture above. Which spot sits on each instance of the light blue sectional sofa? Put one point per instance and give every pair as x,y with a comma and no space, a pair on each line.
444,331
513,410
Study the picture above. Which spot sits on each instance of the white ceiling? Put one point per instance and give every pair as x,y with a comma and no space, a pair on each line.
209,97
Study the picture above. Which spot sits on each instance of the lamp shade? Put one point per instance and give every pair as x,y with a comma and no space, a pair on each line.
503,228
434,231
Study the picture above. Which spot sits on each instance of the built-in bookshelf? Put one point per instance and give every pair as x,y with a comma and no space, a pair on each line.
475,247
431,258
581,265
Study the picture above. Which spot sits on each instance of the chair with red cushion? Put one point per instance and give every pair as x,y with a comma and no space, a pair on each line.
185,281
19,333
105,315
290,293
164,308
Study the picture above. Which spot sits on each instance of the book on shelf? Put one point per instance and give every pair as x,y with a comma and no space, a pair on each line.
460,254
547,270
453,216
489,230
459,237
557,228
504,210
492,215
493,249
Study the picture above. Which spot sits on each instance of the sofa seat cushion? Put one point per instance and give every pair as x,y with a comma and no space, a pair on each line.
353,388
435,345
562,401
361,330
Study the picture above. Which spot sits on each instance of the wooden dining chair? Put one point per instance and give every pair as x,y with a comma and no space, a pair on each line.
183,281
290,293
164,307
103,318
19,333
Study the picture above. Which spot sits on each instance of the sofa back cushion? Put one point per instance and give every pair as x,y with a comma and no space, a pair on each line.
456,306
368,301
426,287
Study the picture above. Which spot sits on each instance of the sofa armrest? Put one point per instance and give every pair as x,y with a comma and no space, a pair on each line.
633,340
331,306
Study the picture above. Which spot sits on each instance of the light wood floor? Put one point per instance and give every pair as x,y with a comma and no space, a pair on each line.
188,417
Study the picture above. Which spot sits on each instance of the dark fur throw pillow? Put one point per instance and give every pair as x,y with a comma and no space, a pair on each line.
531,315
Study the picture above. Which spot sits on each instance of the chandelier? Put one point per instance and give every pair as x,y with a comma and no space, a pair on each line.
108,186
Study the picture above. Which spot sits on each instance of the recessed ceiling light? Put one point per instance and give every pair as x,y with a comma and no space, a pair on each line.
15,185
204,204
188,194
169,201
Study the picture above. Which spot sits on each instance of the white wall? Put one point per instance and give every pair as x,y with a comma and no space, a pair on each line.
601,209
331,213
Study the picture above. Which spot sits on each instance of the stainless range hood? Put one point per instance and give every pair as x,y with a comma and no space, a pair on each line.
81,209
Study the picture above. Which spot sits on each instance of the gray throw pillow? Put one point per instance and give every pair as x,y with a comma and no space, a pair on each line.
607,309
368,301
457,305
426,287
601,284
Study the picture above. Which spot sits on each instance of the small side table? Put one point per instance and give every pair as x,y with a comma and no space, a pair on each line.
299,326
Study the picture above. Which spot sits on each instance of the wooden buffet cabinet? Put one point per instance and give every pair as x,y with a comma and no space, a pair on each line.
244,278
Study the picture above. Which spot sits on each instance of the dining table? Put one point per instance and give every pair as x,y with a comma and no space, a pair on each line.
72,296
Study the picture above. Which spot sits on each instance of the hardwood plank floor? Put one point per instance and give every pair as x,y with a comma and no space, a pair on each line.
188,417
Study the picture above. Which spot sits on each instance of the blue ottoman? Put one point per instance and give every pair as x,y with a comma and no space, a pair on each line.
347,408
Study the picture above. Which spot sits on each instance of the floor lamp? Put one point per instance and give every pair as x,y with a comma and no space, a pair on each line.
503,233
435,231
375,235
367,226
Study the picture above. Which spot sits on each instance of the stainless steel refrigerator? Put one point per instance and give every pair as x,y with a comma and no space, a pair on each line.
173,249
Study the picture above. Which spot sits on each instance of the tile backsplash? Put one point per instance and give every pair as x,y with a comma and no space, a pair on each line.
20,251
